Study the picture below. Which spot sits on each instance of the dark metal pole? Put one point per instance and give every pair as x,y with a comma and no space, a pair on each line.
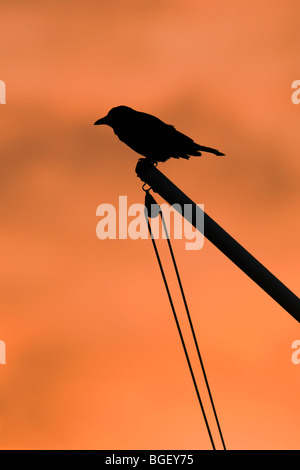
221,239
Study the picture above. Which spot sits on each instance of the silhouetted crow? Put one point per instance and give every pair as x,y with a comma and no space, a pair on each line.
151,137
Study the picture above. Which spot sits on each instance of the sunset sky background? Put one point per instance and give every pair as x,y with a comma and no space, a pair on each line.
94,359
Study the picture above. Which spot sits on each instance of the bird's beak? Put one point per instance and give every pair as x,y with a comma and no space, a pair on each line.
100,121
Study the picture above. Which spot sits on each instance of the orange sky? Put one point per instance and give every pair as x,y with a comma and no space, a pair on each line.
93,355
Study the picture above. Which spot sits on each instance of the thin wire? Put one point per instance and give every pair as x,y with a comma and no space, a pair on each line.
180,334
192,328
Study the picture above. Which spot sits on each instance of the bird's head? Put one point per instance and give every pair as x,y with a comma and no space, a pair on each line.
115,116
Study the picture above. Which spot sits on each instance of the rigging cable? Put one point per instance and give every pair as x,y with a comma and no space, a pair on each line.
179,329
149,202
193,331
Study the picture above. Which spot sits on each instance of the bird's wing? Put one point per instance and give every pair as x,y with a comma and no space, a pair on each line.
181,144
147,135
151,137
154,128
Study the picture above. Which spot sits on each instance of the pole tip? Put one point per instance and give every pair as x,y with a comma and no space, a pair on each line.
143,165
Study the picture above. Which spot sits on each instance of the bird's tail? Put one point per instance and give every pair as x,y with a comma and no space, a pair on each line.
209,150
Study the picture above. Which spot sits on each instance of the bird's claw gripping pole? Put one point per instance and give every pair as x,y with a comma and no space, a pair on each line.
160,184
